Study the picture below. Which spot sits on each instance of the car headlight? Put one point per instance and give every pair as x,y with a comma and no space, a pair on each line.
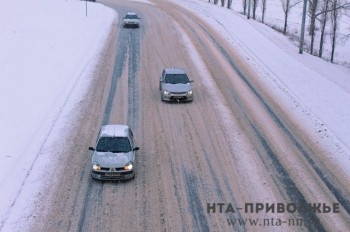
129,166
96,167
189,92
166,92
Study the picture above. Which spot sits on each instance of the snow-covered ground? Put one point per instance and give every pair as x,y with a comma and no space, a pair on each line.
274,17
50,48
314,91
48,51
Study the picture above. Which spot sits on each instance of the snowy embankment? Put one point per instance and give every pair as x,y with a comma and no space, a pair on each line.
314,92
49,50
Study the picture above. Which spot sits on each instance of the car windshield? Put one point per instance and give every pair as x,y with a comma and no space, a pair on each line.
176,79
131,16
113,144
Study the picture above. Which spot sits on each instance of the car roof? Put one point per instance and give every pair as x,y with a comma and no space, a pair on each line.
131,13
114,131
174,71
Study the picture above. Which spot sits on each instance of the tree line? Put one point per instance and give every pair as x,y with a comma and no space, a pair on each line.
323,15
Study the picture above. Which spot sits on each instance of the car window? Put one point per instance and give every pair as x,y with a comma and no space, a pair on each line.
113,144
176,79
131,17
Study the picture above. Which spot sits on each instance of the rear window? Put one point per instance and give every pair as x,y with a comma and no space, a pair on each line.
113,144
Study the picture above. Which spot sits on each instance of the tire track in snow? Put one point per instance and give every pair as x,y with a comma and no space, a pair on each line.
94,188
194,200
213,176
289,186
292,190
323,174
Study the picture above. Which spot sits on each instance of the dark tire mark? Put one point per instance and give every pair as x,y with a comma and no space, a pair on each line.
128,45
215,179
134,63
286,185
303,148
198,214
290,187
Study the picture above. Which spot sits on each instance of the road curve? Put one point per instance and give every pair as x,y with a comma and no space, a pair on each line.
233,144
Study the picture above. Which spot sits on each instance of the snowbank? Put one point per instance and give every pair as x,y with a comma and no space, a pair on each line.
48,52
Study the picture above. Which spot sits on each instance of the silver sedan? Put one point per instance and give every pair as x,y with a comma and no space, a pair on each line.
175,85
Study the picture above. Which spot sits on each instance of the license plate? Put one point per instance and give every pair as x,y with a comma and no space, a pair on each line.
112,174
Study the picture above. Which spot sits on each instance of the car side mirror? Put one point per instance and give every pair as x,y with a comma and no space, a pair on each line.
91,148
191,81
136,148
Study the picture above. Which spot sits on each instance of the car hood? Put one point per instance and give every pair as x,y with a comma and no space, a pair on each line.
177,88
111,160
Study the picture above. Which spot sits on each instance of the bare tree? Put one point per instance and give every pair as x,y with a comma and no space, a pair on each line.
249,6
229,3
313,6
334,20
254,5
244,4
222,2
287,5
263,7
302,30
337,7
323,20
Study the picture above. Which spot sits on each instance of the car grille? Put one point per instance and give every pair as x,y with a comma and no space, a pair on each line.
182,98
112,169
178,92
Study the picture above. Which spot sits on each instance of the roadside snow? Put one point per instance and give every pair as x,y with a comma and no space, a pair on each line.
48,52
274,17
315,92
